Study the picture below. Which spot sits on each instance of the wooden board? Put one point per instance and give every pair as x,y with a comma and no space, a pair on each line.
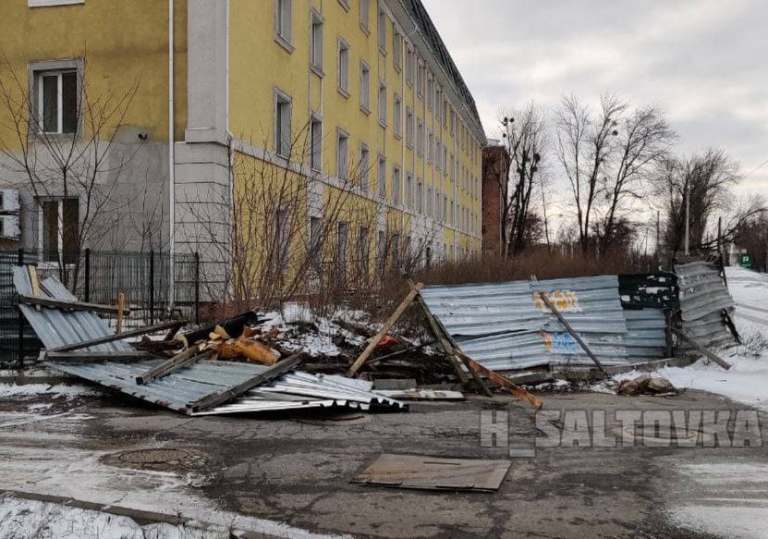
434,473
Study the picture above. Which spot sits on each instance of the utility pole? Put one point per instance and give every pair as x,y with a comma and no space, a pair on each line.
687,219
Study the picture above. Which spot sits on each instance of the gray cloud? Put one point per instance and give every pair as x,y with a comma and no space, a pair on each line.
701,61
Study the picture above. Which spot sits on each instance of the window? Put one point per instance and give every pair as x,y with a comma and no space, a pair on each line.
60,229
419,196
343,74
397,50
363,166
396,186
408,191
58,101
431,147
382,177
409,66
382,104
381,251
409,128
365,13
365,87
282,238
316,140
444,160
362,252
420,138
342,240
397,115
382,30
317,43
282,124
420,79
430,92
316,243
283,22
342,155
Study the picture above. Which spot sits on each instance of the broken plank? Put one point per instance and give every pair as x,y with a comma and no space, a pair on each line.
394,317
700,348
112,338
275,371
569,328
500,380
180,360
71,305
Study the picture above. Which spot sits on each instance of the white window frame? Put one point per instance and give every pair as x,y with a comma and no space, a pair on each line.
53,3
364,167
39,75
342,158
382,103
365,16
381,176
381,28
365,87
343,55
315,51
284,32
316,146
397,115
281,99
48,264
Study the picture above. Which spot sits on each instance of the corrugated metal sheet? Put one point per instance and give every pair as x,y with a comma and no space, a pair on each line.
55,327
646,333
180,389
703,296
506,326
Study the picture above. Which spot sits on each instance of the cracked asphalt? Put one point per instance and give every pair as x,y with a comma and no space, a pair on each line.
297,468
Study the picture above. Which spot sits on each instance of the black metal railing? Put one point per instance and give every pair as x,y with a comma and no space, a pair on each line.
99,277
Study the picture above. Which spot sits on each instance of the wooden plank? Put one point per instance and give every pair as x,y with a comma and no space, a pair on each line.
501,381
70,305
180,360
95,357
112,338
34,281
120,311
577,338
275,371
690,340
394,317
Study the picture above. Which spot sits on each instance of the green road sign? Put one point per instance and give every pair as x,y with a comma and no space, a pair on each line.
745,261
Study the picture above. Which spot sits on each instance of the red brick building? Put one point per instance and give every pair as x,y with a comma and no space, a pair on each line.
495,172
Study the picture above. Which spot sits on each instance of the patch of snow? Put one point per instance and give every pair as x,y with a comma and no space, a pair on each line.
65,390
727,499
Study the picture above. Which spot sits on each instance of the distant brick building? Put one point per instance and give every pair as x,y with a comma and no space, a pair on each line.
495,166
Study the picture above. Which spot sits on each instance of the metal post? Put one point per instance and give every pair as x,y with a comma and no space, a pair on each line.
687,219
88,275
197,287
20,347
151,287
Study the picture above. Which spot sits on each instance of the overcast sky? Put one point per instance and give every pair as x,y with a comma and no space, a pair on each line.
703,62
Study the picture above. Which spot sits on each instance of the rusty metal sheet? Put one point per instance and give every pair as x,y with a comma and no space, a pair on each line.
434,473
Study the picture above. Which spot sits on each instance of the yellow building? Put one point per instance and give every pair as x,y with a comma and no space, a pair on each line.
357,96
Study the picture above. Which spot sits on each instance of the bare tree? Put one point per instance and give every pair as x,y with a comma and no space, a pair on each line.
81,166
524,141
584,146
643,141
708,180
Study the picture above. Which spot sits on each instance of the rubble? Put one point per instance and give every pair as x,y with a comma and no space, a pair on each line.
646,385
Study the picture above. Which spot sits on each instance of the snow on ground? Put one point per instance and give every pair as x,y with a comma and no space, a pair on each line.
747,380
320,343
65,390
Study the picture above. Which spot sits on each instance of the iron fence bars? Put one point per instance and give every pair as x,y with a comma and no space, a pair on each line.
98,277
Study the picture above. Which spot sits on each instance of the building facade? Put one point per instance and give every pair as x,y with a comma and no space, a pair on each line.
329,96
495,163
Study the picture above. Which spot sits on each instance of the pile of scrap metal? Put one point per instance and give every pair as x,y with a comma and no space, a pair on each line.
80,343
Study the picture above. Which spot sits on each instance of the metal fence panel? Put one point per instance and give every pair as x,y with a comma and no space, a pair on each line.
646,333
703,298
507,326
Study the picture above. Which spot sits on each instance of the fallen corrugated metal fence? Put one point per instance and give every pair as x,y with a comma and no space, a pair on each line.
185,389
704,302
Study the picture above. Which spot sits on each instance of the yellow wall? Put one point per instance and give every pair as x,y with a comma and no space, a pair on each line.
122,41
259,65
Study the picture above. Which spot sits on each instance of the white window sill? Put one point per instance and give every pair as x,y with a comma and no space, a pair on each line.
284,43
53,3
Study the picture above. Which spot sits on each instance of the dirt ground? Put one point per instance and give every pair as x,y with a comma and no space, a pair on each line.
296,469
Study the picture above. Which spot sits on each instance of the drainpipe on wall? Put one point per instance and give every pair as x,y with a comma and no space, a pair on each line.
171,161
